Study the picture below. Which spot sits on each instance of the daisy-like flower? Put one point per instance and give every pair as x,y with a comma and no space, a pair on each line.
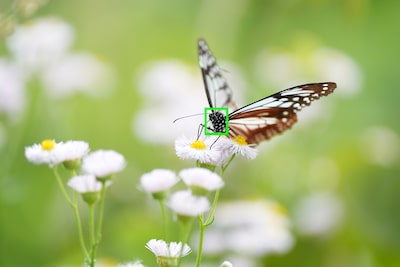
103,163
167,254
72,152
184,204
43,153
85,184
88,186
52,153
201,180
198,150
236,146
158,182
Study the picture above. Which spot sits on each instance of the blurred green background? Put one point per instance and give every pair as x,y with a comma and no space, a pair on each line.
358,144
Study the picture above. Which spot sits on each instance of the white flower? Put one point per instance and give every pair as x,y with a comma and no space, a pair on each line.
12,90
288,68
158,180
72,150
90,75
85,184
185,204
52,153
203,178
253,228
318,214
198,150
380,145
236,145
167,254
131,264
38,44
226,264
103,163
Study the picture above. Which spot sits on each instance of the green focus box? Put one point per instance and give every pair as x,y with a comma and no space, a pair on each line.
206,129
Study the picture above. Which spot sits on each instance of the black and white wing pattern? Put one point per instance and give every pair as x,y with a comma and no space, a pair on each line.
217,90
274,114
264,118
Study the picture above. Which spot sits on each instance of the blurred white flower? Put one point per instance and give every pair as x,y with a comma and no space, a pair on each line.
318,64
171,90
85,184
52,153
226,264
12,90
380,145
39,43
103,163
318,214
201,178
131,264
78,72
158,180
72,150
185,204
167,254
253,228
199,150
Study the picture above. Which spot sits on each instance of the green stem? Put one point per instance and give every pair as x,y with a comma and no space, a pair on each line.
62,187
91,224
164,217
74,205
99,224
224,167
210,217
201,237
186,228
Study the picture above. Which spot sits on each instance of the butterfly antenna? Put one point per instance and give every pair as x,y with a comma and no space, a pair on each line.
188,116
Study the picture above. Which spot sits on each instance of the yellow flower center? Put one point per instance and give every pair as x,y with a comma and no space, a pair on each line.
198,144
241,140
48,144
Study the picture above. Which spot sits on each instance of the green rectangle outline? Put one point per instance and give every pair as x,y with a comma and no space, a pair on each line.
226,121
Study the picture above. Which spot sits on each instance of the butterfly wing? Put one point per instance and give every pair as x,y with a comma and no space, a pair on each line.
217,90
274,114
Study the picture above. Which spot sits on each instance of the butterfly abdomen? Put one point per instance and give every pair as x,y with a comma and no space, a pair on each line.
218,121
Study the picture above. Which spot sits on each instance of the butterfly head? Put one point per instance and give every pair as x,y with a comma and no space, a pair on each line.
218,121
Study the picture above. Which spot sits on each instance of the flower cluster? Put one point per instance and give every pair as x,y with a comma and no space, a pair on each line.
97,168
73,155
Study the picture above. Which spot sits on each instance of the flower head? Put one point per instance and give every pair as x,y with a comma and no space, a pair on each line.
236,146
52,153
167,254
85,184
185,204
198,150
158,181
200,178
88,186
103,163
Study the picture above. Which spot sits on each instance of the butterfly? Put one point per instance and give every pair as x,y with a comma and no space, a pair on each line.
262,119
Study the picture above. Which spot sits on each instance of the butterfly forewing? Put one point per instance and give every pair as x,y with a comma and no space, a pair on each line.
217,90
294,98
